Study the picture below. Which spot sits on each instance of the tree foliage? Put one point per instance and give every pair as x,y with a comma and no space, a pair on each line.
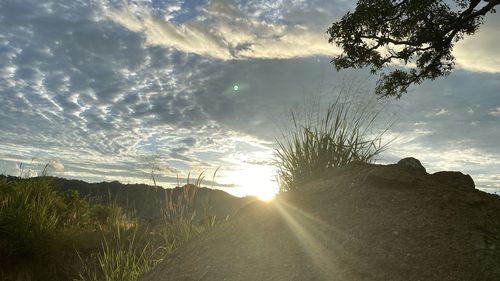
418,34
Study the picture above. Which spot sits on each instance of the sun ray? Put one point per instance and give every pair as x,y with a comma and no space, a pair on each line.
313,233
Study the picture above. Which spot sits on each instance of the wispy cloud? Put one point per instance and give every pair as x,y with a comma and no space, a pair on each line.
224,32
438,112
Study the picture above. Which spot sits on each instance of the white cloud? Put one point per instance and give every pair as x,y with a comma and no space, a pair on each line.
438,112
442,111
224,32
479,52
57,165
495,112
255,29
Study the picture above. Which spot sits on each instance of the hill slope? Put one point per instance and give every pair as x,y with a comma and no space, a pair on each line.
362,222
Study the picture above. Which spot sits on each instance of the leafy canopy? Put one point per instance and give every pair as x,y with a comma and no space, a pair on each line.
418,34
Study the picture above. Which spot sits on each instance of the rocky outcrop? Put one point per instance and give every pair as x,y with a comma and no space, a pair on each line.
411,171
454,179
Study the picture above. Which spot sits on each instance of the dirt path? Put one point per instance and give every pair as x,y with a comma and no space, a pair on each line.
363,222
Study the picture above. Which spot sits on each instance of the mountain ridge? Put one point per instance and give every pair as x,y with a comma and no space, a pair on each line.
146,201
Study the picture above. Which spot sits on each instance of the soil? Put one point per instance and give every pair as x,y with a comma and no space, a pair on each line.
361,222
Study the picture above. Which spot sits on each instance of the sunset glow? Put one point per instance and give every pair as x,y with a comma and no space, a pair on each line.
253,180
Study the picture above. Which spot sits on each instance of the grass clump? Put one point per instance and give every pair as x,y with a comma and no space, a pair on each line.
126,254
334,137
29,214
123,256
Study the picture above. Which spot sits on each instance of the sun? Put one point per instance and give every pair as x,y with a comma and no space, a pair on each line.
266,196
264,191
254,180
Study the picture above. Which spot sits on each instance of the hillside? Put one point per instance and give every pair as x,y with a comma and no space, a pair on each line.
145,201
361,222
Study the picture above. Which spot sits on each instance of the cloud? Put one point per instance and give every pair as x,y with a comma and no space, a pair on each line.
224,32
224,29
75,86
56,165
439,112
495,112
479,52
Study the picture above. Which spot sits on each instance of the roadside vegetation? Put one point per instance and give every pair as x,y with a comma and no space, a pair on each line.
49,235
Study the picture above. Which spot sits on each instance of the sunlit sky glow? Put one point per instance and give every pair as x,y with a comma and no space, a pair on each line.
111,90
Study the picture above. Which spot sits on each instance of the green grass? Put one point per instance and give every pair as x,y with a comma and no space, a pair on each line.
38,228
123,256
48,235
341,134
29,212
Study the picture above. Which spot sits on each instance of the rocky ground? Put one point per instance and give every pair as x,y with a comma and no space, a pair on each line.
361,222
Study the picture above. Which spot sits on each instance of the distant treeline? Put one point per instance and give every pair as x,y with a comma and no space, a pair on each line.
145,201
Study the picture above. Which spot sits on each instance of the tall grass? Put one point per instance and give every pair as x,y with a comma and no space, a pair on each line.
40,228
124,256
329,138
180,215
29,215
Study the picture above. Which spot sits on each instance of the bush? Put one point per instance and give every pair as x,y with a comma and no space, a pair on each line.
341,134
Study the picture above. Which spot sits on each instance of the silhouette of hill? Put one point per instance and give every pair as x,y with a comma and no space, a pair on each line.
360,222
145,201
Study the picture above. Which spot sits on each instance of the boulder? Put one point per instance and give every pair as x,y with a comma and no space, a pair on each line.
455,179
411,165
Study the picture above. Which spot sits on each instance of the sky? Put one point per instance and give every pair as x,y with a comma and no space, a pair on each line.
105,90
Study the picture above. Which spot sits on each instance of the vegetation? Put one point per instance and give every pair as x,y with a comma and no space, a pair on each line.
49,235
419,34
327,139
121,258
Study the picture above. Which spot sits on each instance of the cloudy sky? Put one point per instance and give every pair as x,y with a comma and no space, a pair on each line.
111,90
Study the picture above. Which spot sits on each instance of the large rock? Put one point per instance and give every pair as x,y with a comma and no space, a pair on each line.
454,179
411,165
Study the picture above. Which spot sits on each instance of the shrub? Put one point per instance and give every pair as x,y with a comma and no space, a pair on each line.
341,134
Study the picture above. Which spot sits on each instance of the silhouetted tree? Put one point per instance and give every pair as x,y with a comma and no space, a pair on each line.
419,34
